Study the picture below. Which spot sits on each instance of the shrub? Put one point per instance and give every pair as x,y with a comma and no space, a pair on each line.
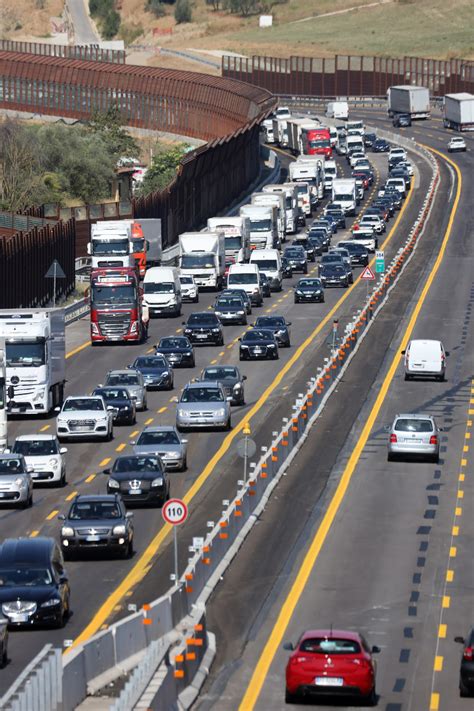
183,11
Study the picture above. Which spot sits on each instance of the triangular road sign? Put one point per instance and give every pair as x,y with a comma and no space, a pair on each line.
367,274
55,270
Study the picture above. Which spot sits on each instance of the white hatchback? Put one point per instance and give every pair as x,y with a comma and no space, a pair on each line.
44,457
456,144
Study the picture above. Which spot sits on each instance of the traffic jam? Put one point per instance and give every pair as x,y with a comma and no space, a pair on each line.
300,238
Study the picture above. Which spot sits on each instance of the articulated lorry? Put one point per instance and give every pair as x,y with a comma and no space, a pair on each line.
236,237
411,100
35,359
308,138
459,111
126,243
116,306
291,203
263,220
276,200
202,255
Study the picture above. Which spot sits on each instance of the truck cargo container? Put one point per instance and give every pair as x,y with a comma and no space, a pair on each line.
202,255
278,200
263,221
459,111
411,100
237,237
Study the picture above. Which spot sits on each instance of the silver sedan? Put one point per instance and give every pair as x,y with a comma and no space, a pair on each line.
415,435
203,405
164,441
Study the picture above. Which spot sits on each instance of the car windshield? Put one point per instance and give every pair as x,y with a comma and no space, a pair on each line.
83,510
11,466
270,321
203,394
331,258
413,425
242,278
35,447
323,645
27,577
270,264
137,464
308,283
25,354
112,394
323,143
83,404
161,288
174,343
257,336
294,253
201,261
219,373
158,437
226,303
123,379
198,319
151,362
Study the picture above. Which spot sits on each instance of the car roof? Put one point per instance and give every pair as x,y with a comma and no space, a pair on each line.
24,550
199,384
159,428
96,497
35,437
122,371
415,415
347,634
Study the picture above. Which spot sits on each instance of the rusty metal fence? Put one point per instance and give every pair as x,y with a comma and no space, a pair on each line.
93,53
349,75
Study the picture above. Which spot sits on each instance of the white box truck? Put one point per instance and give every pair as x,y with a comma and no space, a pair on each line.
310,168
237,236
35,346
338,110
344,194
412,100
111,244
291,204
202,255
280,131
459,111
263,221
278,200
330,173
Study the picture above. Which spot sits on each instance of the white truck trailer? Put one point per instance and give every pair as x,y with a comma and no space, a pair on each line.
35,347
263,225
237,236
344,194
459,111
412,100
278,200
202,255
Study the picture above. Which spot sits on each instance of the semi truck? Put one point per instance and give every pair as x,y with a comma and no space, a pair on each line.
111,245
116,306
344,194
236,237
310,169
309,138
278,200
35,359
459,111
411,100
291,204
263,221
202,255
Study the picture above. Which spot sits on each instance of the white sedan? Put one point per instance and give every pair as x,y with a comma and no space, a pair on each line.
44,456
456,144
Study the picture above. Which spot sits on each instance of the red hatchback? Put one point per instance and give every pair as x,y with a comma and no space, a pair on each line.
331,663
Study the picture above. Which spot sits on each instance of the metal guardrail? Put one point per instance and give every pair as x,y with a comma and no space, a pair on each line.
118,648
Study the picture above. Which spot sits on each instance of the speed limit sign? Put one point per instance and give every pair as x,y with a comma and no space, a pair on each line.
175,512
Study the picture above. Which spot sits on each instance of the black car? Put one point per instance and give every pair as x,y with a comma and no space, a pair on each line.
286,268
297,258
139,480
203,327
323,234
395,160
330,258
401,173
279,326
337,214
309,289
369,139
317,243
387,203
358,253
307,246
124,408
34,587
395,196
328,220
258,344
231,380
401,120
178,351
243,295
156,370
334,275
466,674
381,146
231,309
265,285
97,523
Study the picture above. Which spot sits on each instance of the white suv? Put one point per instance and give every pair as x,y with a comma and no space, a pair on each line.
43,456
85,417
456,144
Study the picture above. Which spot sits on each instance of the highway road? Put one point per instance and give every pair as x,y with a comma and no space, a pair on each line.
84,30
396,560
103,589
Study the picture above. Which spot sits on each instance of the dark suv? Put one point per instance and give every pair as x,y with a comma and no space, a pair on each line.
401,120
97,523
204,327
139,480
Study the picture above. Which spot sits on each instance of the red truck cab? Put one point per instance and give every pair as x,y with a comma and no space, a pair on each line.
139,248
316,141
116,306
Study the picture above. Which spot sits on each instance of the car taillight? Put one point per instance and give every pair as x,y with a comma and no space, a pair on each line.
299,660
433,439
468,654
393,438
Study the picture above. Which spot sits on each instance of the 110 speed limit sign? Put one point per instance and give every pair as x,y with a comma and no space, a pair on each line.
175,512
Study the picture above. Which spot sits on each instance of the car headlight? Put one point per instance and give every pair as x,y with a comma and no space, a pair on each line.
237,386
188,353
271,345
299,292
216,330
101,420
342,277
158,481
255,290
240,313
119,530
53,463
172,455
181,412
165,373
243,345
20,482
113,484
218,313
51,603
317,291
67,531
220,412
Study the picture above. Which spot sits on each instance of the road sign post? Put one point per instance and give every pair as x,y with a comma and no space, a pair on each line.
175,512
367,275
246,448
379,262
55,272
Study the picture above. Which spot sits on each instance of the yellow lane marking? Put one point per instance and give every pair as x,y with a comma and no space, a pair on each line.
221,353
434,702
460,494
462,477
105,461
453,552
458,511
178,330
33,534
231,345
449,576
77,350
46,427
150,350
446,601
149,421
289,605
121,447
138,570
52,515
438,663
455,531
90,478
442,631
213,362
134,434
162,409
70,496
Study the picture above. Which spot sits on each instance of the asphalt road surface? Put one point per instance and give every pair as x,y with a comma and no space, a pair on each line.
396,563
84,31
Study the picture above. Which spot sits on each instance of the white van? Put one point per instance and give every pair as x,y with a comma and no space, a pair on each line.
162,291
269,263
425,359
246,277
397,183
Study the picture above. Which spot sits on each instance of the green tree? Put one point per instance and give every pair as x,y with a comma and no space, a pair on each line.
19,166
183,11
109,125
156,7
162,169
110,25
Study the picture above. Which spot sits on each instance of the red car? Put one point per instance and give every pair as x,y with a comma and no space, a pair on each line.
331,663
